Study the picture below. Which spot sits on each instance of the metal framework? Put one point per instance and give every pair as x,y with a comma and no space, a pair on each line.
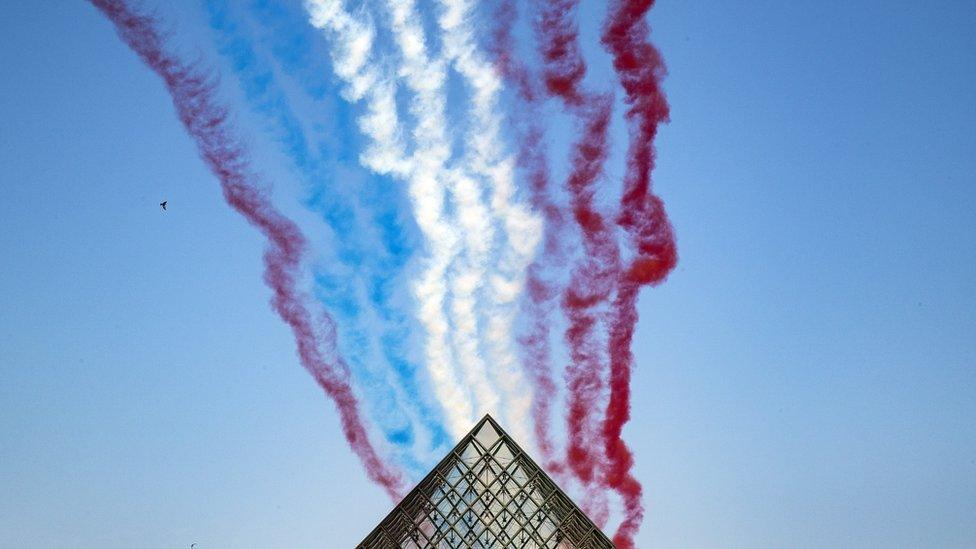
486,494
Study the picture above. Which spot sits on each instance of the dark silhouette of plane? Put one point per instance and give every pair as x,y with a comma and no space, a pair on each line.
163,204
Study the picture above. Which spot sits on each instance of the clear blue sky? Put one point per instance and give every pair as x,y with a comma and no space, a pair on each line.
806,378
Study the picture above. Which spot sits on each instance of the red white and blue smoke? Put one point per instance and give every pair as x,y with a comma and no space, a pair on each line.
480,257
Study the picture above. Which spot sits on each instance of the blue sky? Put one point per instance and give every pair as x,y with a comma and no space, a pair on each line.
804,378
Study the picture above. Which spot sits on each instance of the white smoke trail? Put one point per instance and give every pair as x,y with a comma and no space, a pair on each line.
353,42
522,230
426,78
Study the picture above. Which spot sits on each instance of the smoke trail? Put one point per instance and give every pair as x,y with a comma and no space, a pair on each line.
640,69
353,63
265,97
393,400
293,48
541,288
426,79
193,93
594,276
521,230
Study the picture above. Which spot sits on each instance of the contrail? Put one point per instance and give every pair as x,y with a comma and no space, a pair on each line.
594,276
394,411
426,79
292,43
640,69
353,43
541,287
193,92
521,230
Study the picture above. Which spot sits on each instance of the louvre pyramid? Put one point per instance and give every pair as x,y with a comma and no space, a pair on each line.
486,494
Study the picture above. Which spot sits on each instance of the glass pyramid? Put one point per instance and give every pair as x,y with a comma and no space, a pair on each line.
486,494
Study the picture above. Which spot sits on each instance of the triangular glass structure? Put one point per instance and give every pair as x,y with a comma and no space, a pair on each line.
486,494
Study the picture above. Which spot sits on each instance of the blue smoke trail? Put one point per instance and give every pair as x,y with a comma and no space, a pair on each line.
379,266
292,45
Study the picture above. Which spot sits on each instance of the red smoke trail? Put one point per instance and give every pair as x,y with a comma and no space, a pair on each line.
642,215
193,93
541,290
594,277
542,294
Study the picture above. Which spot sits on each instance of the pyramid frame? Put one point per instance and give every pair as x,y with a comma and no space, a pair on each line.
486,493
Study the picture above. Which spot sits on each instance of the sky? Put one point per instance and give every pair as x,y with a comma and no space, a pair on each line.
803,378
